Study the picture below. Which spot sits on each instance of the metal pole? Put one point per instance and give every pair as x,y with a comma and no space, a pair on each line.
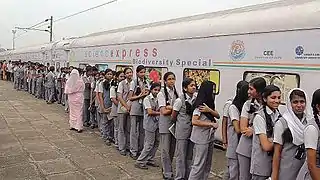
13,38
51,24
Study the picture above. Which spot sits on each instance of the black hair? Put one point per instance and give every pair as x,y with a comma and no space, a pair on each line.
166,94
189,107
115,82
241,94
314,103
51,68
138,69
205,96
106,83
259,84
154,85
297,92
267,92
126,69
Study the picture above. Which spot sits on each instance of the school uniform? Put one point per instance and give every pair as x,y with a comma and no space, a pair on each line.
203,138
93,111
233,140
261,161
151,127
311,141
59,87
20,75
66,108
50,81
106,122
98,114
39,85
167,140
114,114
184,146
289,165
225,113
136,118
25,78
244,149
63,84
124,118
86,105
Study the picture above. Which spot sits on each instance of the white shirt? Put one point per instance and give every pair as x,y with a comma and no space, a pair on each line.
178,102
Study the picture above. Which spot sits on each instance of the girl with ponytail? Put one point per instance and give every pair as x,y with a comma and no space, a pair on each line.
311,168
262,141
166,98
182,112
139,89
233,128
256,87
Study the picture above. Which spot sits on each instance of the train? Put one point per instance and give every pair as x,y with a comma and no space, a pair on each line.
277,41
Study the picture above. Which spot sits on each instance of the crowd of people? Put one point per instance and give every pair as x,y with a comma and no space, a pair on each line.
139,117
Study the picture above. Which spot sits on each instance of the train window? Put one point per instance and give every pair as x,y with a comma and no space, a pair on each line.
82,65
285,81
102,67
154,74
199,75
122,67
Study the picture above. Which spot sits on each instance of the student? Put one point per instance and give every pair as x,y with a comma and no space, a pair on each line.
289,151
113,95
151,127
50,81
123,112
139,89
224,136
202,135
87,91
244,149
92,108
166,98
311,168
97,101
106,122
182,113
234,132
262,141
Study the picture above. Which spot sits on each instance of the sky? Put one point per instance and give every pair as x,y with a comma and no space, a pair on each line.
122,13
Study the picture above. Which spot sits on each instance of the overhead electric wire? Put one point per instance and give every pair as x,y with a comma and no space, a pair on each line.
68,16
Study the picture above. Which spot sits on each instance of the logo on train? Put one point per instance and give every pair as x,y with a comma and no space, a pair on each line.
237,50
299,50
301,53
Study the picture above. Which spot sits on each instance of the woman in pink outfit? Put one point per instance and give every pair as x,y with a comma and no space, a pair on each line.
74,89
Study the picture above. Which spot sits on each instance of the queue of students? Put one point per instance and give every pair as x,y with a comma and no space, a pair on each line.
261,143
139,116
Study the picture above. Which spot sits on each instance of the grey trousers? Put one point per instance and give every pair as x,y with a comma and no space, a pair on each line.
93,117
30,86
124,132
202,161
244,167
115,130
151,144
106,127
66,107
184,152
233,169
59,95
167,146
25,84
20,83
136,134
50,94
256,177
86,113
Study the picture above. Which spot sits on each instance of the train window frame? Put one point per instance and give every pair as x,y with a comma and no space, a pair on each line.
217,70
97,66
125,66
284,98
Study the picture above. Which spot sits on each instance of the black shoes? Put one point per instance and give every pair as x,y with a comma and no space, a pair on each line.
140,166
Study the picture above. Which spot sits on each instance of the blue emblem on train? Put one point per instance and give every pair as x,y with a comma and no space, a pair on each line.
237,50
299,50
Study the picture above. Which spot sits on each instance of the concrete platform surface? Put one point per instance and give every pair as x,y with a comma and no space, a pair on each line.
36,144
